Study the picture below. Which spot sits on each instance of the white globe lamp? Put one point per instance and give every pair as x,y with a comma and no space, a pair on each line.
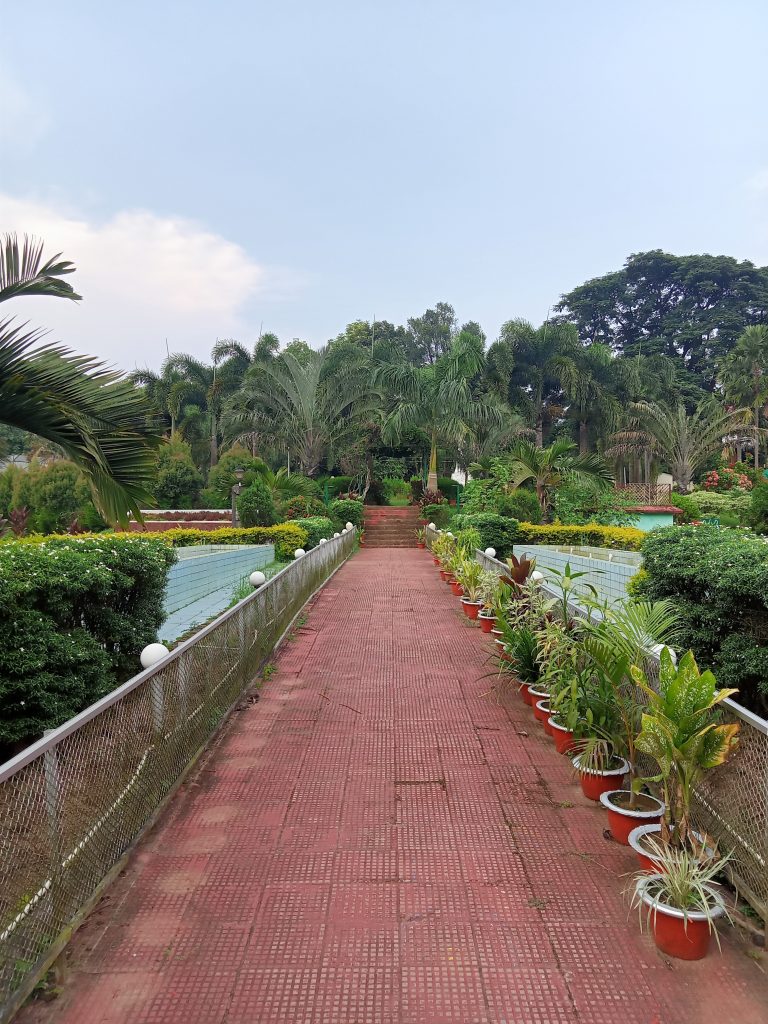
432,526
153,653
299,552
336,535
257,579
491,552
322,540
350,526
537,576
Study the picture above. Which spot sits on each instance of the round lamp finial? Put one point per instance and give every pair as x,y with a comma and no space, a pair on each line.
491,552
153,653
257,579
299,552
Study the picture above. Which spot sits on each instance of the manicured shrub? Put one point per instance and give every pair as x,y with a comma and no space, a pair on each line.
499,532
521,504
729,505
255,506
718,578
624,537
315,527
440,515
347,510
302,507
178,482
75,613
285,537
689,506
448,487
221,478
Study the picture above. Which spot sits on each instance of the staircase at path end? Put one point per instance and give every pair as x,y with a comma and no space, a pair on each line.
390,526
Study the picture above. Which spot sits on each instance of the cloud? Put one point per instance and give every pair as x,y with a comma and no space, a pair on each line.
143,278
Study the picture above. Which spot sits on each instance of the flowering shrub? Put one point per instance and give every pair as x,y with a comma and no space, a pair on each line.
75,612
725,479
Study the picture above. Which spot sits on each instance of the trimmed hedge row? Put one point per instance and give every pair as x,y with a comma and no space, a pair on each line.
286,537
316,528
75,613
499,532
347,510
623,537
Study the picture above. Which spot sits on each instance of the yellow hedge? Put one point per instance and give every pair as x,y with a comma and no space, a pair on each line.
626,538
286,537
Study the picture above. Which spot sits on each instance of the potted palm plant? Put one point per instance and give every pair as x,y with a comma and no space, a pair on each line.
627,634
682,901
681,732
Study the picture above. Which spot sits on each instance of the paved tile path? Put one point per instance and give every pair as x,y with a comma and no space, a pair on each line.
377,840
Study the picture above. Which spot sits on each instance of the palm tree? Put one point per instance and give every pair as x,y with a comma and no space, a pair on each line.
167,391
589,381
310,410
525,367
548,468
745,376
94,414
681,440
437,399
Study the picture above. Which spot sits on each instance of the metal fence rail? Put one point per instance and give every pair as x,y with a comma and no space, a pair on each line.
731,804
73,803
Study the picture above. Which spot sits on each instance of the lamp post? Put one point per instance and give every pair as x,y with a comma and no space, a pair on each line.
236,488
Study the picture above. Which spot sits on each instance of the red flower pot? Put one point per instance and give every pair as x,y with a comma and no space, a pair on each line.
444,575
523,691
684,936
564,738
486,622
594,784
534,695
542,711
457,588
623,820
436,560
645,860
471,608
421,543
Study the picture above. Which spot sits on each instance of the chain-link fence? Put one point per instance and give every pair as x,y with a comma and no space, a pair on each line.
731,803
73,803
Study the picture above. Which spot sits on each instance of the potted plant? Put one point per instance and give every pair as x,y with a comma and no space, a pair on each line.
421,538
470,576
627,634
489,588
681,732
682,901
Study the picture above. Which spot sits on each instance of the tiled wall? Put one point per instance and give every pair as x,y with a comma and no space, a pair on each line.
206,568
608,571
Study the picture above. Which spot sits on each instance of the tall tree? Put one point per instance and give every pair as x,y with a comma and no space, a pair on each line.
525,367
745,377
437,399
96,415
691,308
590,384
432,333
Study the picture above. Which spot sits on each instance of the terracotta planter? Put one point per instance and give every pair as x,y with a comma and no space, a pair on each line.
541,712
645,860
685,936
450,581
421,543
471,608
593,783
523,691
486,622
436,561
564,738
457,588
622,821
444,575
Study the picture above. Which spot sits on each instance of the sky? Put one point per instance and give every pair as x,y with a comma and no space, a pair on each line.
218,168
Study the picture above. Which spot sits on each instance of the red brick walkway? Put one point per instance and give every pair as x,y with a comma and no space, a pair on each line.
376,840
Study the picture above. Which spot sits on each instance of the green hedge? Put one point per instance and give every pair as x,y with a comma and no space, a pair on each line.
499,532
758,508
316,527
719,580
75,613
440,515
347,510
286,537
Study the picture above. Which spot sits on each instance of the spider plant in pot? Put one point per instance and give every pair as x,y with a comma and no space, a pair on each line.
519,649
471,579
681,902
681,731
421,538
443,547
490,585
627,634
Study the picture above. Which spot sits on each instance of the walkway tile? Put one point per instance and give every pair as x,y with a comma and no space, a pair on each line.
378,840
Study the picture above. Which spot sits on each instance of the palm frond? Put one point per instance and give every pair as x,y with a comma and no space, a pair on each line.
22,271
